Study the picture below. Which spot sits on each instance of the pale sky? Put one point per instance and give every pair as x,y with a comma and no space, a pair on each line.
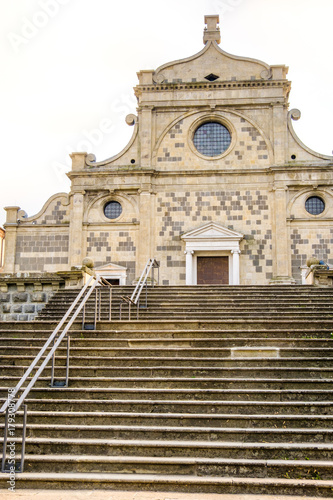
70,65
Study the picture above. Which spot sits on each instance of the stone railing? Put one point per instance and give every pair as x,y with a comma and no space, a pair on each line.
319,275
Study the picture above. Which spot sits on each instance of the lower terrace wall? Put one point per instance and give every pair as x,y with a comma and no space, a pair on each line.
24,295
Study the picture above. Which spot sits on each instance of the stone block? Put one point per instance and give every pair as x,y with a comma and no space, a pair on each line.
20,297
6,308
4,297
29,308
23,317
37,297
17,308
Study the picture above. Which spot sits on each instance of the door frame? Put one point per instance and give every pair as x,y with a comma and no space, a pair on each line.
212,240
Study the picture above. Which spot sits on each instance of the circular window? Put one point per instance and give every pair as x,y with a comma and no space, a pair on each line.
212,139
314,205
112,210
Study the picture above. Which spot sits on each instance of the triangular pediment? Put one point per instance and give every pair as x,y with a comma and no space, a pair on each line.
110,267
212,231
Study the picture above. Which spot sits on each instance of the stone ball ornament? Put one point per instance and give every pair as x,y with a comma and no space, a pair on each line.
312,261
87,262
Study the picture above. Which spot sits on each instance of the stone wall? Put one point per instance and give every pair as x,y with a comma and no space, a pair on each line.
23,306
24,295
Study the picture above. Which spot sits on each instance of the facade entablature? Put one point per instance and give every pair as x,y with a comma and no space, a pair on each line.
178,95
296,178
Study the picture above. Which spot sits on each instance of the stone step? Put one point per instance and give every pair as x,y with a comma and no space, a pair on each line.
125,364
223,324
285,421
183,406
283,372
179,382
101,355
191,305
213,467
214,314
180,483
185,448
177,394
198,293
211,289
30,343
141,335
164,432
232,325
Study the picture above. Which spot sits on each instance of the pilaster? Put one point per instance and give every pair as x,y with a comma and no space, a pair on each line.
145,240
11,226
76,254
146,135
280,133
281,248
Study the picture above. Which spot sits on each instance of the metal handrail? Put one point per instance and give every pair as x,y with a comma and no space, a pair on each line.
134,299
76,306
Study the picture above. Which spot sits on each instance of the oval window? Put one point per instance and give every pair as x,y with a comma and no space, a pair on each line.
212,139
314,205
112,210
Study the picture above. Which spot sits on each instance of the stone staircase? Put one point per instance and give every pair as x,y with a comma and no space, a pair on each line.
213,389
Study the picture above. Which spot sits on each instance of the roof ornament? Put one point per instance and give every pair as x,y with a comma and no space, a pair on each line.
212,31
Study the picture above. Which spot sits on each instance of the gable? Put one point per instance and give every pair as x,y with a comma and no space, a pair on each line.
212,60
212,231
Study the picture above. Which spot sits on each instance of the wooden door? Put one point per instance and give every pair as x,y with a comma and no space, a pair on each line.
212,270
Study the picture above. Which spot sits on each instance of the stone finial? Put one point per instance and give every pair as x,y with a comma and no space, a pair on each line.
212,31
87,262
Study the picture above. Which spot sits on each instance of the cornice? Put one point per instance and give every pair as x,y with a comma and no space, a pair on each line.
220,85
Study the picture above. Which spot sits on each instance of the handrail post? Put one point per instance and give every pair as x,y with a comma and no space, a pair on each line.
110,303
5,437
95,312
24,433
53,367
52,384
67,361
99,303
83,316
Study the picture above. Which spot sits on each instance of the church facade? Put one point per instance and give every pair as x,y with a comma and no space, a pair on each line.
214,184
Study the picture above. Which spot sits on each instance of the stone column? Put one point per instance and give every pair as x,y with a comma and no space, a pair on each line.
235,266
11,226
189,267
